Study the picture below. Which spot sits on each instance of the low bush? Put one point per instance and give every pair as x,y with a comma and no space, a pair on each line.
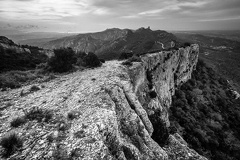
71,115
153,94
102,60
127,63
125,55
91,60
39,114
10,143
14,79
63,60
34,88
132,59
187,44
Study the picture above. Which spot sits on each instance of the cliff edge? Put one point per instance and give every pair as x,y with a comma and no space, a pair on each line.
111,112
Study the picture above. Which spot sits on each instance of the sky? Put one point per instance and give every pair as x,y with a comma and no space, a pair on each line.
97,15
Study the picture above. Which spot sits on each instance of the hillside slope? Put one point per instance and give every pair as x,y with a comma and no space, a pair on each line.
111,112
206,112
15,57
111,42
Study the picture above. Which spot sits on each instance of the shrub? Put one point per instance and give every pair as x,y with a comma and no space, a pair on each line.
34,88
81,54
62,60
10,143
102,60
18,122
72,115
91,60
125,55
153,94
132,59
187,44
127,63
14,79
135,59
39,114
80,58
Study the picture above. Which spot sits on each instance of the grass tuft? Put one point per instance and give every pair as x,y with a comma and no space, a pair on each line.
18,122
39,114
10,143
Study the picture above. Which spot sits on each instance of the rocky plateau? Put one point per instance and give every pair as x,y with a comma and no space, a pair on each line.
118,112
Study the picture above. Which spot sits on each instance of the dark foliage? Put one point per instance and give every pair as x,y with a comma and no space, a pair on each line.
135,59
102,60
18,122
91,60
14,79
153,94
39,114
125,55
11,60
187,44
132,59
34,88
160,133
10,143
72,115
127,63
206,114
63,60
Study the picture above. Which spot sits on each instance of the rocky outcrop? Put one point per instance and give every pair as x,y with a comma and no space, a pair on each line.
111,112
155,80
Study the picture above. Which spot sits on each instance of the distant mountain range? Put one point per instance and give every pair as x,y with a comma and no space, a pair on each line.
110,43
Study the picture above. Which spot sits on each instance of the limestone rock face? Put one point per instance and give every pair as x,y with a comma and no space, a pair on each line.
111,110
159,74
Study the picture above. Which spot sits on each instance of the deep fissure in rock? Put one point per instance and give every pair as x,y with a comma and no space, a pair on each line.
160,133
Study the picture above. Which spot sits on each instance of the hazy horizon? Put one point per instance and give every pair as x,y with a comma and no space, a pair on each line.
81,16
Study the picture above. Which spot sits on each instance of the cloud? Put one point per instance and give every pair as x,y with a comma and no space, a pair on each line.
118,12
47,9
173,7
220,19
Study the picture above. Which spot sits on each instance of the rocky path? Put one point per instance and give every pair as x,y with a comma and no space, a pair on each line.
81,93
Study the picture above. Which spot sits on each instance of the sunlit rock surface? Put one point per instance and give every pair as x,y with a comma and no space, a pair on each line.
113,107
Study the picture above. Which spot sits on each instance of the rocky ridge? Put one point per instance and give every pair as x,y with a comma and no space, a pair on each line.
118,111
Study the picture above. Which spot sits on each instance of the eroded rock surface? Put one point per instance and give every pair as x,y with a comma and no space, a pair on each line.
115,111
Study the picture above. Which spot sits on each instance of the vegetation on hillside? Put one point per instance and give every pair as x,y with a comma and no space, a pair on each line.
21,68
220,53
62,61
12,60
205,112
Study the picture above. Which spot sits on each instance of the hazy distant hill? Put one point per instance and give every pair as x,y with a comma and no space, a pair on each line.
111,42
34,38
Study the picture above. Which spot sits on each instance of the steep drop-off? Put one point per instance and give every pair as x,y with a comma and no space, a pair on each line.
206,112
111,112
